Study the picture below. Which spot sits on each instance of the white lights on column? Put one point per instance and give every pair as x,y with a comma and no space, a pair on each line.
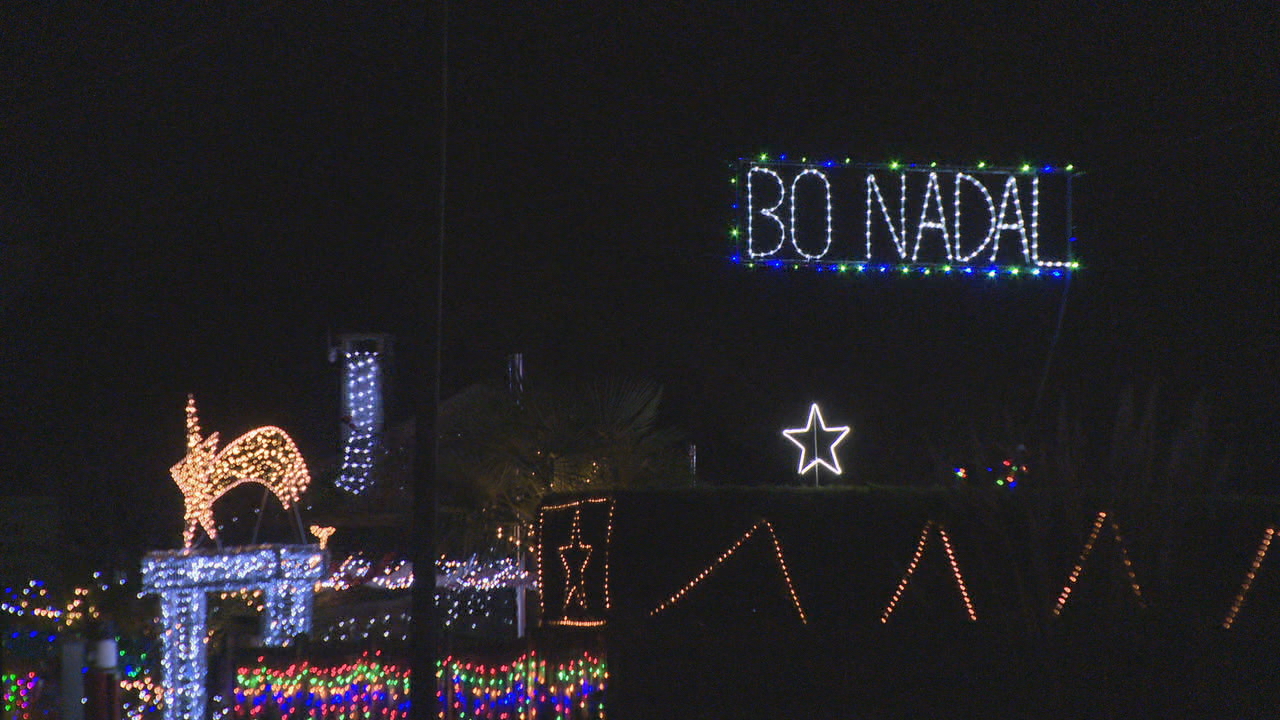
362,401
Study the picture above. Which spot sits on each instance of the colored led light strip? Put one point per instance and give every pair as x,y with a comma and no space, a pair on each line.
733,548
1078,570
921,544
529,687
1250,574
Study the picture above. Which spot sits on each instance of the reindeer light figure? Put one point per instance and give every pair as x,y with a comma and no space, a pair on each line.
265,455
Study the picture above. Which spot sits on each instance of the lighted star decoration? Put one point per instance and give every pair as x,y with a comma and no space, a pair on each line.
815,435
265,455
575,586
322,533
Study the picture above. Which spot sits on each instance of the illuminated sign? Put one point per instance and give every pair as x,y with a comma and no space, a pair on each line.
908,218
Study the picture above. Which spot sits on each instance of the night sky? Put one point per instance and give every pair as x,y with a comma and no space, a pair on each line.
194,196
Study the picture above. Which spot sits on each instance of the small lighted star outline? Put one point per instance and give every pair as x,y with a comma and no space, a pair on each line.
813,436
575,586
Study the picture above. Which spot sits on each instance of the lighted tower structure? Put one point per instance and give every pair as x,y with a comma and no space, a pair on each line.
364,359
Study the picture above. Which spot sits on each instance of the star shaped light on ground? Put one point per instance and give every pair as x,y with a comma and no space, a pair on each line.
814,436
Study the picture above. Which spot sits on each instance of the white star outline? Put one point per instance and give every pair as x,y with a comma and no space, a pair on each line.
843,430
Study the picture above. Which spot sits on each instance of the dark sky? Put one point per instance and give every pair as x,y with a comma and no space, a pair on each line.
193,196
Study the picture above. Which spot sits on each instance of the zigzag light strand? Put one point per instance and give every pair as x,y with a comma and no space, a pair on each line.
782,564
1078,570
921,544
1128,564
1249,576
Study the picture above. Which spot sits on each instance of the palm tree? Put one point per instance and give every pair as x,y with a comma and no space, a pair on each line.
500,455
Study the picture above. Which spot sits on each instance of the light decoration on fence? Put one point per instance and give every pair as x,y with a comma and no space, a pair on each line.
362,401
733,548
805,214
393,626
530,687
585,566
287,575
921,544
574,558
351,572
813,436
1258,556
322,533
265,455
1101,519
468,593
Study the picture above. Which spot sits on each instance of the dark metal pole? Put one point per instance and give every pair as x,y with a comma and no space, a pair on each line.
424,626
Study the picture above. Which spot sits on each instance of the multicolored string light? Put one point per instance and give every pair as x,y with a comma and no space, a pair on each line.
529,688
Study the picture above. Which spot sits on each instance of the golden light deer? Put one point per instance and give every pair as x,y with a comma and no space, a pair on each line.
265,455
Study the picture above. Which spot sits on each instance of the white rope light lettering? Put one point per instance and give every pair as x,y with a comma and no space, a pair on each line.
766,212
795,235
897,234
932,198
970,227
1001,225
991,212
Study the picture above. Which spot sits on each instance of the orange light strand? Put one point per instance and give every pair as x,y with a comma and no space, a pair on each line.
955,571
1128,565
1079,568
906,577
1252,573
782,565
